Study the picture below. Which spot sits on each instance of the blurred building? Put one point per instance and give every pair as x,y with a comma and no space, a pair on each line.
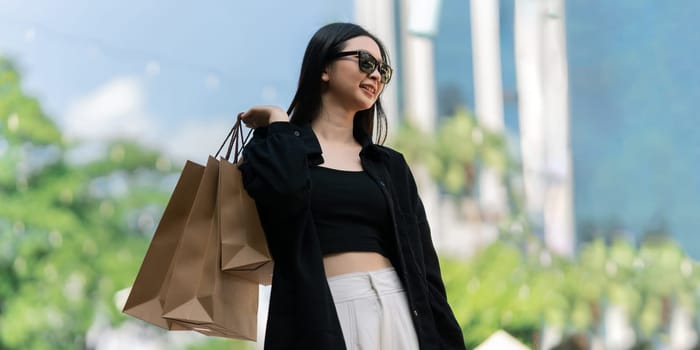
598,97
447,58
636,144
631,89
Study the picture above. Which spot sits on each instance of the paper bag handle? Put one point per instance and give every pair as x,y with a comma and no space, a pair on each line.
236,139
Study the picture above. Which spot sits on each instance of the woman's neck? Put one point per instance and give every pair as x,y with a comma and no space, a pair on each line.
335,125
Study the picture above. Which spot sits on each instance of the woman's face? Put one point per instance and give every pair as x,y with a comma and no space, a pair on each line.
347,84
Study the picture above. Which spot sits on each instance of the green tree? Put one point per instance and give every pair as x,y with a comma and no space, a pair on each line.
503,288
455,152
71,233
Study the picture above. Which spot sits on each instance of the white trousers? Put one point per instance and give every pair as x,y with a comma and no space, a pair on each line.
373,311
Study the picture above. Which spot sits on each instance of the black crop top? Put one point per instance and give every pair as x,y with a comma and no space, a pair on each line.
350,212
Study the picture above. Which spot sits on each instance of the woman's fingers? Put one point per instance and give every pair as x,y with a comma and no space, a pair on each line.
260,116
252,118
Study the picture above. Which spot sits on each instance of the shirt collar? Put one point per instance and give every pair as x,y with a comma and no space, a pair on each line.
313,148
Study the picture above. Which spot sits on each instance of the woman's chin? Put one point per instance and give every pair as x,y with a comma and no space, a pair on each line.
365,103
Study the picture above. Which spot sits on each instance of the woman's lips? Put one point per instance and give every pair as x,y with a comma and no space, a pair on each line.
369,90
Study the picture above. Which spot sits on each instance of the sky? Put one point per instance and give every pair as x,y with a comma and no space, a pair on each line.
172,74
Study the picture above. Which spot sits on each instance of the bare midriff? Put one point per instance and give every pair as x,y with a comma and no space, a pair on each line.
349,262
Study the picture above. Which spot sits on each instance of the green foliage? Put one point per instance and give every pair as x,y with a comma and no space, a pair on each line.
22,119
455,151
71,235
502,287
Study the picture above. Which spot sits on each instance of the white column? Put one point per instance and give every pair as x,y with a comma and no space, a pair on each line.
530,104
619,335
418,25
682,335
418,70
558,204
543,102
378,17
488,91
419,80
486,51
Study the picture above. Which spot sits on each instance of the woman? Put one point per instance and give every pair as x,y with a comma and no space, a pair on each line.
355,266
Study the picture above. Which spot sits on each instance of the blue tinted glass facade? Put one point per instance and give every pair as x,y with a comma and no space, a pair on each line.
634,89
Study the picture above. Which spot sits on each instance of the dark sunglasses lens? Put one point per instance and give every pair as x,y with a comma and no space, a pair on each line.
367,63
385,72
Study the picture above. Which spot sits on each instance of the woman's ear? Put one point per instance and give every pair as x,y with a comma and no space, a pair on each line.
325,76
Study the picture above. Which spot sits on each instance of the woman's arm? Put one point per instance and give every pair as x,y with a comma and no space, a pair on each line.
449,329
274,166
450,332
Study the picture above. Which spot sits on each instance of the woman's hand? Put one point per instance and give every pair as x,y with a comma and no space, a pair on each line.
261,116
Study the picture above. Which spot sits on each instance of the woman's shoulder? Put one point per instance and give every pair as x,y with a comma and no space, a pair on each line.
391,154
398,167
394,159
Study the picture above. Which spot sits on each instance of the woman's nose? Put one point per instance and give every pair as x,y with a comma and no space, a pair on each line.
375,74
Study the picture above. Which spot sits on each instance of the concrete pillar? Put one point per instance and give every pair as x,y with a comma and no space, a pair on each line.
378,17
418,25
543,100
488,92
558,199
419,19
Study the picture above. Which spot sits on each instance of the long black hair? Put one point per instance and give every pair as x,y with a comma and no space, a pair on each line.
325,43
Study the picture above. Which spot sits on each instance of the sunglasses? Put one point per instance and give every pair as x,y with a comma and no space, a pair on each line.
368,64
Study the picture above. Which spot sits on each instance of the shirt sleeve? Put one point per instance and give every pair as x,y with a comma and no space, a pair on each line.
275,163
450,332
449,329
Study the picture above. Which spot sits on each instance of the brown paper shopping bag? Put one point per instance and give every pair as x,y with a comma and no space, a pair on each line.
148,293
202,296
244,249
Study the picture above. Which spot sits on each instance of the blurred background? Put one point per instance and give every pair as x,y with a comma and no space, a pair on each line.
554,144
